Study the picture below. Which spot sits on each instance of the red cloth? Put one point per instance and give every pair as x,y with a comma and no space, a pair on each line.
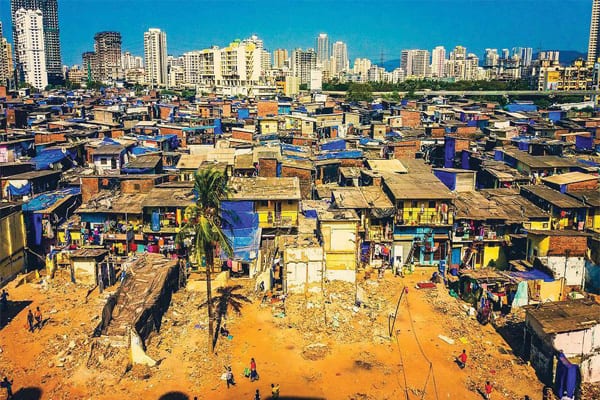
252,366
488,389
463,358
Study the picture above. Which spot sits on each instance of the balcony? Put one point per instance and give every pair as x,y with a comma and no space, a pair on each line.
412,218
163,229
274,220
377,234
490,236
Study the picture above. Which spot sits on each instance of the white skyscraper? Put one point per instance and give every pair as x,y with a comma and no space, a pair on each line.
415,62
303,61
340,55
361,67
155,55
322,48
29,38
438,61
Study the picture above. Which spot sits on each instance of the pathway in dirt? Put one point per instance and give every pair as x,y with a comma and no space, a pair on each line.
414,364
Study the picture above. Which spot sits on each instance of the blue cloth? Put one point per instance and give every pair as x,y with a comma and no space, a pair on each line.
566,377
19,191
155,221
48,157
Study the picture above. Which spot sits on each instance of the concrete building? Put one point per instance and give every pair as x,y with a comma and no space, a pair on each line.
316,80
361,67
6,61
593,50
155,56
340,57
30,47
303,61
280,57
551,76
130,61
415,63
51,31
107,46
438,61
563,336
492,58
322,47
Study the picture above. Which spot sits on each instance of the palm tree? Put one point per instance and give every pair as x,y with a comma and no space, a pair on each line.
203,222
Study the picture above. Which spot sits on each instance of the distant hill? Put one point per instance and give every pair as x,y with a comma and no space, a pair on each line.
566,58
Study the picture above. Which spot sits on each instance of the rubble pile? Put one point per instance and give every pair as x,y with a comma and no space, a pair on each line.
345,312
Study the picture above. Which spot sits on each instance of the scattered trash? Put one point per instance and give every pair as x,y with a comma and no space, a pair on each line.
446,339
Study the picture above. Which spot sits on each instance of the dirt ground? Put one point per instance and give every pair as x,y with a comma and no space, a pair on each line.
322,348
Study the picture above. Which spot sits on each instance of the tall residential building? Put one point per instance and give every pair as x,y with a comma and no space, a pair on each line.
593,48
525,55
107,46
30,47
492,58
340,57
322,48
6,60
130,61
89,66
361,67
280,56
49,10
415,63
303,61
155,55
438,61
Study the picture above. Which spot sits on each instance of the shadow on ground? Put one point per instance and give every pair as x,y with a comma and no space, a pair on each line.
174,396
28,393
12,310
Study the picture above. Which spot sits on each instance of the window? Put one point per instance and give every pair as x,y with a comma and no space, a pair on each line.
103,161
136,186
290,202
431,204
414,204
264,203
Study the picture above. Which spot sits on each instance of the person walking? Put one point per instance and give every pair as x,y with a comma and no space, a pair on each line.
6,384
253,372
37,315
229,376
30,320
274,390
462,359
488,390
257,395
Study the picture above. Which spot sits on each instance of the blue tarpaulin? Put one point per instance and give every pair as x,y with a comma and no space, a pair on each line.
339,144
155,222
566,377
48,157
137,170
137,150
240,225
19,190
347,154
294,148
46,200
531,275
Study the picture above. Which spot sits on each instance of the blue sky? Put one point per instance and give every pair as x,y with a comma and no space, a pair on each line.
367,26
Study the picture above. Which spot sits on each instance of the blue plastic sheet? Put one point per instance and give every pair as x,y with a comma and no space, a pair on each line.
339,144
19,191
48,157
566,376
155,223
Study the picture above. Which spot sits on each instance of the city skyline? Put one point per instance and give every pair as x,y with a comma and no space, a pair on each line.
367,42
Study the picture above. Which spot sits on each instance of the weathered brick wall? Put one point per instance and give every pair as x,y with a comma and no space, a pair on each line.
267,167
586,185
267,108
576,245
304,175
407,149
241,135
410,118
89,188
137,186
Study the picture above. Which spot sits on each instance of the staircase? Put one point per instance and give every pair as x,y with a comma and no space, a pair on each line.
411,253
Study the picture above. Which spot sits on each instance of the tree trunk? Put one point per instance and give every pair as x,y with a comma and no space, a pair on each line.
208,252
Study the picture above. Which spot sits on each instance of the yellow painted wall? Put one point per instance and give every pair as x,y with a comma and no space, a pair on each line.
413,215
268,126
288,211
340,261
540,243
538,225
491,252
12,244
